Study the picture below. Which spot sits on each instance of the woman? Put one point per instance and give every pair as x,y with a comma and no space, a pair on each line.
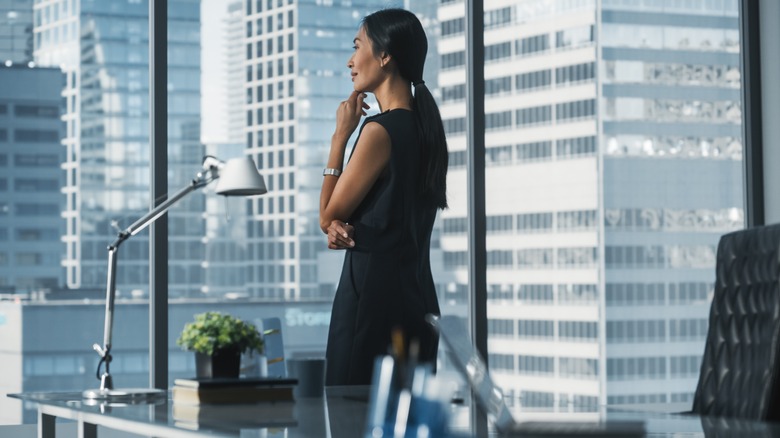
381,208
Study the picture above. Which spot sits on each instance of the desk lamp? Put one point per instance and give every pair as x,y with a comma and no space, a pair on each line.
237,177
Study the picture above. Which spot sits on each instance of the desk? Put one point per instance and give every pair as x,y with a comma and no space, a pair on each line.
342,413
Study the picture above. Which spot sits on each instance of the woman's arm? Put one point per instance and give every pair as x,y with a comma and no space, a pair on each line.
340,196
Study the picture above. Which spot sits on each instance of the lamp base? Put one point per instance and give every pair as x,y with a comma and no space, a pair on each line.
126,395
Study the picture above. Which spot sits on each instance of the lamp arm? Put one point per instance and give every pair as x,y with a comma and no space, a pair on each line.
209,174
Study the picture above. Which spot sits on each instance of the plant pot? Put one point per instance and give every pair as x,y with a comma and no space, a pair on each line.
223,363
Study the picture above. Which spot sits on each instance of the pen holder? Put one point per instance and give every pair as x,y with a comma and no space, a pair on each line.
401,403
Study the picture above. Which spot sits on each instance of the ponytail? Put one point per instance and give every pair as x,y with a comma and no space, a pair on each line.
433,147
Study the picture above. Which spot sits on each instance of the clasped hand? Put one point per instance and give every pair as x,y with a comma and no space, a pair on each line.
340,235
349,113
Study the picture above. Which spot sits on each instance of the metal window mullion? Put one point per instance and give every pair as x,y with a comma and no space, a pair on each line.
475,80
752,125
158,231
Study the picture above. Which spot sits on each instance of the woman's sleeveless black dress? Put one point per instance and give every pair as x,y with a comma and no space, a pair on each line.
386,279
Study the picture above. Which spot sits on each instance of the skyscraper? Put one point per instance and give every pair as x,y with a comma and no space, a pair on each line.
103,49
16,31
30,199
235,35
613,161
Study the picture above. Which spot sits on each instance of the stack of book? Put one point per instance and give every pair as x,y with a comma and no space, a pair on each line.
232,391
240,403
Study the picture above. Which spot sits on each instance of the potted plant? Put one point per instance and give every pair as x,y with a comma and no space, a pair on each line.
218,341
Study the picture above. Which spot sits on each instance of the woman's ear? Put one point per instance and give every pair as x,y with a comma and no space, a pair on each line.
384,59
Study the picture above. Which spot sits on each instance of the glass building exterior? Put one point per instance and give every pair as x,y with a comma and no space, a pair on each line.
103,49
613,155
16,31
30,179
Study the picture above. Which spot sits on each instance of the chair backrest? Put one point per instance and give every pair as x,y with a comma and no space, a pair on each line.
739,371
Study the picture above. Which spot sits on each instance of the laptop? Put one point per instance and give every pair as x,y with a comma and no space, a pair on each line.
490,398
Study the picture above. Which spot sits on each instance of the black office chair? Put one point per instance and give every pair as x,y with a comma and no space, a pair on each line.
740,371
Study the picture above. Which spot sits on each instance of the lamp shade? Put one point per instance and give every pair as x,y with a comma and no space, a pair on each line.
239,177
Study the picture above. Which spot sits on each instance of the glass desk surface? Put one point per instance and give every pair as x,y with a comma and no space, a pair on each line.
343,411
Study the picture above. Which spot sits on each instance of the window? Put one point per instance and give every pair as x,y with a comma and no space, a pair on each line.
495,121
534,116
535,151
36,160
453,93
501,327
498,85
536,365
501,362
532,45
570,111
36,136
452,27
455,126
572,74
37,111
535,329
534,222
498,17
575,147
453,60
574,37
578,368
532,80
498,51
634,198
535,294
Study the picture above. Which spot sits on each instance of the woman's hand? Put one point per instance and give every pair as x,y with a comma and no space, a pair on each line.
349,113
340,235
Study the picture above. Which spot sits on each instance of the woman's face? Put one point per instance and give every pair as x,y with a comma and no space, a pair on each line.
366,68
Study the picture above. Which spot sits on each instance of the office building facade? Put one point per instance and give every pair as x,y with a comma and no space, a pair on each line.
613,156
30,199
103,49
16,32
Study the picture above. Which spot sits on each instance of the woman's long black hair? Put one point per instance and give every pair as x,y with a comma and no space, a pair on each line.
399,33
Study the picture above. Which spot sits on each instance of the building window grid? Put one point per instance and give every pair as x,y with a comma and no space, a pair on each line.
536,329
578,331
636,331
499,155
578,368
684,366
577,294
635,294
536,365
504,328
500,292
537,398
535,294
690,329
502,362
636,368
574,111
534,151
690,292
498,51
